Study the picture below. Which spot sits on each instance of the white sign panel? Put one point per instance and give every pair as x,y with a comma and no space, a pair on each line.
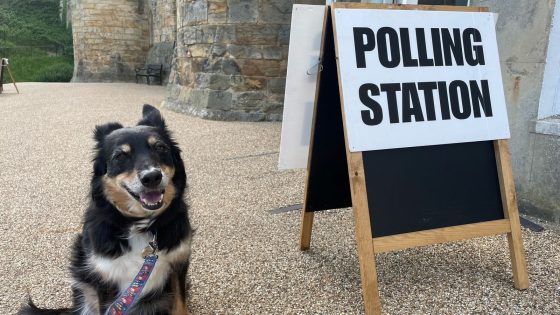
301,80
417,78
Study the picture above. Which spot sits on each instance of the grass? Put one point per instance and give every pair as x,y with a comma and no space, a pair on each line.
41,69
37,23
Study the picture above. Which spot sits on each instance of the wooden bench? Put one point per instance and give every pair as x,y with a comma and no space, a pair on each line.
151,71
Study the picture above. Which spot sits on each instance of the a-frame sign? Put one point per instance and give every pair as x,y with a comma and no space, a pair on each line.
409,130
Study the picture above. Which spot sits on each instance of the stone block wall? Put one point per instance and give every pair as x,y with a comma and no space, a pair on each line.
111,39
231,59
163,33
226,59
523,30
163,21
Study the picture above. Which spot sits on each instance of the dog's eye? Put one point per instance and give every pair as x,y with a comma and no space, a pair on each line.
161,147
119,156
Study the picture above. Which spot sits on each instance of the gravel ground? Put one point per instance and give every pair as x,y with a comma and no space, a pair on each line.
245,259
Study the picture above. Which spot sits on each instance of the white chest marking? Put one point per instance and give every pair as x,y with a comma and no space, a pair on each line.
123,269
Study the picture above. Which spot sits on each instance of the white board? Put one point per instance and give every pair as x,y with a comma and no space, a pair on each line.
369,131
303,58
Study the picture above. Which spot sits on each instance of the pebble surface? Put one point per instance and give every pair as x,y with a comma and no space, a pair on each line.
245,259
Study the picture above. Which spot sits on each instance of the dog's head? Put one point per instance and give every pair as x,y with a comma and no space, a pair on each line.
139,169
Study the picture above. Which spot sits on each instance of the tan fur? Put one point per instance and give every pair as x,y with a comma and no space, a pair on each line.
169,171
179,305
119,197
125,203
125,148
152,140
169,194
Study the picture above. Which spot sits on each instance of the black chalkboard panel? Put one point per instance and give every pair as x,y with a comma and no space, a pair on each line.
408,190
328,186
420,188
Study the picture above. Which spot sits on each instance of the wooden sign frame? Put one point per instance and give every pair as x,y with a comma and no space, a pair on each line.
367,245
1,74
4,63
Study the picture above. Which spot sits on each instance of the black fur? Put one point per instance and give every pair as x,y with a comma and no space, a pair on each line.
105,227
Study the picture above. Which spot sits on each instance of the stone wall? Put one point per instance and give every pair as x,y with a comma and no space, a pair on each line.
163,33
227,60
231,59
523,30
110,39
163,21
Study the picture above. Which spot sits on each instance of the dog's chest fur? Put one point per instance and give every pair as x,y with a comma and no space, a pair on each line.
122,270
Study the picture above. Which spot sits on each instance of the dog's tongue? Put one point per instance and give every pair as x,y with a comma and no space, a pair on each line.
150,197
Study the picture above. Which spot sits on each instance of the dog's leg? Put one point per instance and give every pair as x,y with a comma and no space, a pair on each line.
85,297
178,290
155,303
106,296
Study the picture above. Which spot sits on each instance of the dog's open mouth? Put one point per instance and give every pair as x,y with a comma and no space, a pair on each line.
151,200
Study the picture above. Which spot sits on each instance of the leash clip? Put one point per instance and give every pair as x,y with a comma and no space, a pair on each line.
151,249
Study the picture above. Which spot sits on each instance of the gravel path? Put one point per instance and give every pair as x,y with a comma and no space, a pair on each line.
245,259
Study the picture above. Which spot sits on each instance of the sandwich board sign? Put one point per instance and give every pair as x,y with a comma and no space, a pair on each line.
301,79
410,130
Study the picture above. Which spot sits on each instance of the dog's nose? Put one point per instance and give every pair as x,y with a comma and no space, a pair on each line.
151,178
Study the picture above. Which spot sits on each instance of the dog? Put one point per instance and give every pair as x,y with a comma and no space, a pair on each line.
136,197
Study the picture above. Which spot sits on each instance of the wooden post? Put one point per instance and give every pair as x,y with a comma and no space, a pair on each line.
509,202
360,207
366,252
4,64
1,75
307,217
306,228
12,77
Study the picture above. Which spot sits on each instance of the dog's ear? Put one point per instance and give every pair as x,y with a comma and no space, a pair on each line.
99,166
99,134
101,131
151,117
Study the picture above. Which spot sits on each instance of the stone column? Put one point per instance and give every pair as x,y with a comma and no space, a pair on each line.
231,58
110,39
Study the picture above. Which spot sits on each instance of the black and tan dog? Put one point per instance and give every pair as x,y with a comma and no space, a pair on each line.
136,194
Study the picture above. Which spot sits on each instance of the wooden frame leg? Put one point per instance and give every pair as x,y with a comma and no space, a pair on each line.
366,252
511,212
12,77
306,228
368,274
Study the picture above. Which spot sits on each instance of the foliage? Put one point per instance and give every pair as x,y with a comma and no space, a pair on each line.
31,33
58,72
40,69
33,22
